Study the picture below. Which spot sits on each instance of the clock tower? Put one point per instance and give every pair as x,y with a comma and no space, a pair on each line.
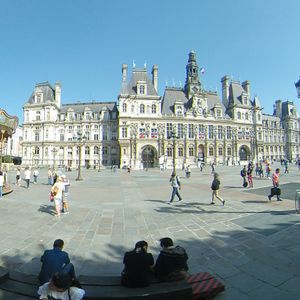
192,83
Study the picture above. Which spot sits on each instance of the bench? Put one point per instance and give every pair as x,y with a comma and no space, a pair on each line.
197,286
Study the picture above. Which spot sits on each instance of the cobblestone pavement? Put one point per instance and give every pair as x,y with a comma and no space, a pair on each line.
251,243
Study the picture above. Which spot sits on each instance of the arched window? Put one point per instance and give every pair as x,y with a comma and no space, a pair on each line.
169,151
142,108
124,107
96,150
246,116
191,151
211,151
153,108
36,150
87,150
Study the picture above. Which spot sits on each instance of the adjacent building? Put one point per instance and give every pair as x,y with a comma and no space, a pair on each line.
143,129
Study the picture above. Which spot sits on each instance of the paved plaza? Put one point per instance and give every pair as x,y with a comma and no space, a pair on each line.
252,244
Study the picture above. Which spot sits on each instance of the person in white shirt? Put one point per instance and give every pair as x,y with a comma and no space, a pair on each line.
57,191
61,287
35,175
27,175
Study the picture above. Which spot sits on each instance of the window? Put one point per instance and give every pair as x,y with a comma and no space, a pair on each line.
210,131
96,137
124,132
87,150
180,130
220,151
239,115
169,129
191,151
219,113
180,151
132,108
142,89
142,108
96,150
258,117
104,150
62,137
153,108
191,133
211,151
36,150
169,151
220,132
124,107
246,116
228,132
229,152
38,116
37,136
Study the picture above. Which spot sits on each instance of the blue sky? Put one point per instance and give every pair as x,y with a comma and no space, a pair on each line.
83,44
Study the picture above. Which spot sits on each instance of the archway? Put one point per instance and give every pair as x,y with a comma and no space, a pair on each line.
201,153
244,153
149,157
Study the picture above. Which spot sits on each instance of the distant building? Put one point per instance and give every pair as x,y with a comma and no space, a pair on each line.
142,129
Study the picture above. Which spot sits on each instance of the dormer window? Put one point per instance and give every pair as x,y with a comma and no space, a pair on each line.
141,88
245,101
142,108
124,107
219,113
178,110
38,98
38,116
153,108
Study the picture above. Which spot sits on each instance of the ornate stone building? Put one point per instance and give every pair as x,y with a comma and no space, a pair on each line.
143,129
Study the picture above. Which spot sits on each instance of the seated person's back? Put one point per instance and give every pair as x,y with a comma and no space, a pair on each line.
138,266
171,263
55,260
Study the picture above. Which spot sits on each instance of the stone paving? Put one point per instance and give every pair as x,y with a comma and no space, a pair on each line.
251,243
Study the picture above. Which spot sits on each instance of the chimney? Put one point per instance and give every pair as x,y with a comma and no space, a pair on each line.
124,72
225,90
154,76
58,94
246,87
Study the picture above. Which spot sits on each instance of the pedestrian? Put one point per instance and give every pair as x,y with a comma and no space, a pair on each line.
215,186
18,177
249,175
243,174
50,176
55,260
256,170
61,287
275,190
1,184
286,167
35,175
57,191
171,263
65,198
188,171
138,266
176,185
268,171
27,175
201,166
261,171
213,165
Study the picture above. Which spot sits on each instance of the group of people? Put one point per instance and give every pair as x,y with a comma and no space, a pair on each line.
59,194
58,279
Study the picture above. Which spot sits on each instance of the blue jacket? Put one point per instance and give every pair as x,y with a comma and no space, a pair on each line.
52,261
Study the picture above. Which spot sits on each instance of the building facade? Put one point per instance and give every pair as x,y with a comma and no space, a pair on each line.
142,129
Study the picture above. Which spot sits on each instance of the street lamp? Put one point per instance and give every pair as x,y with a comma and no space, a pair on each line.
80,139
54,151
173,136
2,146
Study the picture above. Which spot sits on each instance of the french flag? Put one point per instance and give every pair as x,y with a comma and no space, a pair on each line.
202,71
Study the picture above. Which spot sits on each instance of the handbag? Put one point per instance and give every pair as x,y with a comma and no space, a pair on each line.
51,197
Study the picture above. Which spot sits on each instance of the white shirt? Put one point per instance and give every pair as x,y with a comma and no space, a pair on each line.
76,293
27,174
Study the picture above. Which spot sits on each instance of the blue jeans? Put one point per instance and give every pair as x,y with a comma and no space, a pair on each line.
175,192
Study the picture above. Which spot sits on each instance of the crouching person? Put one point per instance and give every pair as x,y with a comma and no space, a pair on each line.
61,287
138,270
171,263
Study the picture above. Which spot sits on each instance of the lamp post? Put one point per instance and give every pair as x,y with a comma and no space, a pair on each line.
2,146
54,151
80,139
173,136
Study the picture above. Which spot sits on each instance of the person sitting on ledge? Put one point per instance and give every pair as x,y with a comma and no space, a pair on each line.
171,263
61,287
138,266
55,260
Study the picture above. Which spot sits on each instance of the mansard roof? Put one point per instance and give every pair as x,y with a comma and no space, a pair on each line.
235,93
44,88
88,106
131,87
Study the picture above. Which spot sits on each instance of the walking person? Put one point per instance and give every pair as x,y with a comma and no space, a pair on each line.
213,167
275,190
215,186
268,171
18,177
35,175
57,191
65,198
27,175
286,167
249,175
176,185
1,184
50,176
243,174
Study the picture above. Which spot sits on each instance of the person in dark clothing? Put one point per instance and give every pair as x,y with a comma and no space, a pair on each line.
138,266
55,260
171,263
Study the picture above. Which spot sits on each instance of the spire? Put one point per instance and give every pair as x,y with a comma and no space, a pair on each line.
192,82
